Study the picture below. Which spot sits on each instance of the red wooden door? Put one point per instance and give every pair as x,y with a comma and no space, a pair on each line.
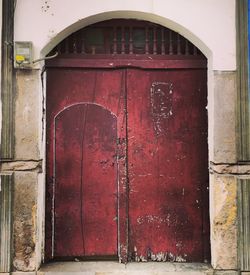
127,164
167,156
85,116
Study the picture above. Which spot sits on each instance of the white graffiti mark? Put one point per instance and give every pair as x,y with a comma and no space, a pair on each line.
161,106
159,257
177,258
154,219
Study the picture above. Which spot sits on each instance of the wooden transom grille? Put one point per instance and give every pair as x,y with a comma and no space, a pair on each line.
126,37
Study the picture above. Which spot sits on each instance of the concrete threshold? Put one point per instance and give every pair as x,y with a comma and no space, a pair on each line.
114,268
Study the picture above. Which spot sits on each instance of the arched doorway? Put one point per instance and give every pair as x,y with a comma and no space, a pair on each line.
127,160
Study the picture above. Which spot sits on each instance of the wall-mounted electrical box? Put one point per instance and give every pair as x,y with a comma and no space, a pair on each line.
23,54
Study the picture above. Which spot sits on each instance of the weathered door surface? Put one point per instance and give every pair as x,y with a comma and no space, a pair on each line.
85,181
167,157
127,164
127,157
85,114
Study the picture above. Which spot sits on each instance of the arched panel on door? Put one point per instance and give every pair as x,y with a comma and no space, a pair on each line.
85,184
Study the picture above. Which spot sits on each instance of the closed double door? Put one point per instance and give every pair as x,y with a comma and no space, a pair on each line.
127,169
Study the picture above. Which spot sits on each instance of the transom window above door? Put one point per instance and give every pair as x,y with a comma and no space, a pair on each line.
127,37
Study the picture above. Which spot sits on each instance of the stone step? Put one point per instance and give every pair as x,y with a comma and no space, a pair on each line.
114,268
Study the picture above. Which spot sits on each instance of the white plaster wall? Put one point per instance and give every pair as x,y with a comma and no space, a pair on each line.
209,24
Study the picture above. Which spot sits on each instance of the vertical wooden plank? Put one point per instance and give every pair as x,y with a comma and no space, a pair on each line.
6,187
115,41
93,50
163,41
74,42
123,172
130,40
154,41
123,40
59,48
7,134
178,44
67,42
146,41
194,50
170,42
82,41
186,47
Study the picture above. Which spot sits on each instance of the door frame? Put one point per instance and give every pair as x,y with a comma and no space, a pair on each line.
133,61
124,62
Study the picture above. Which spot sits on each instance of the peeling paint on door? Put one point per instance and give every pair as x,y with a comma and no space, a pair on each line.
167,148
162,106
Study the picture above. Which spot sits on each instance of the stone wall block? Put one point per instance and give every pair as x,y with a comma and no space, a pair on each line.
226,272
27,115
223,196
24,225
224,117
